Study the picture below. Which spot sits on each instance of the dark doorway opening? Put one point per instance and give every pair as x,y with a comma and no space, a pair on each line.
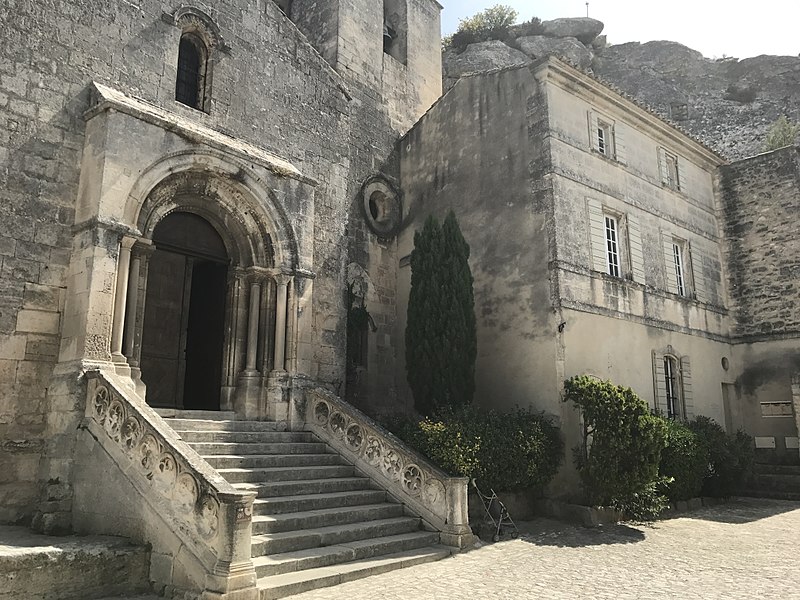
184,320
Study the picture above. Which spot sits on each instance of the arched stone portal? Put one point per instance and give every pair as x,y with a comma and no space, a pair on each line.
210,313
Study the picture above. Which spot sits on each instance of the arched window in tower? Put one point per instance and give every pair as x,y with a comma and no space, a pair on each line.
395,29
190,86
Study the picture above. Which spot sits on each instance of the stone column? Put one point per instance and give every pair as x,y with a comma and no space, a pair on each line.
252,329
796,401
120,298
133,305
282,282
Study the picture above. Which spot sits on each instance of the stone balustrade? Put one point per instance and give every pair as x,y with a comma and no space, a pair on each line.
409,477
209,517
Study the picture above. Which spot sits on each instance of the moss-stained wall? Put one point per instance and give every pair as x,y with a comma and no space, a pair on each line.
480,153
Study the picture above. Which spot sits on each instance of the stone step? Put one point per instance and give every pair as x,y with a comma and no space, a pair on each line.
306,486
244,437
256,461
39,567
208,415
213,448
289,541
214,425
325,517
767,469
285,473
287,584
313,558
289,504
782,482
772,494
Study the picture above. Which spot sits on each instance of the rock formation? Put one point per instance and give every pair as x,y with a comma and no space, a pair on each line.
730,103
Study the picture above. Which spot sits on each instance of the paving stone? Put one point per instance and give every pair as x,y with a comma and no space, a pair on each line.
743,549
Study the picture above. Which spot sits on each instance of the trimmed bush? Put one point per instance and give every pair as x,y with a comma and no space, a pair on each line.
684,460
621,447
504,451
730,457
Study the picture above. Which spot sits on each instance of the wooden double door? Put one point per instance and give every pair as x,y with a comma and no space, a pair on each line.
184,316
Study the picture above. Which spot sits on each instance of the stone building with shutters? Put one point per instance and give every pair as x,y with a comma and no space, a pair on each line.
602,243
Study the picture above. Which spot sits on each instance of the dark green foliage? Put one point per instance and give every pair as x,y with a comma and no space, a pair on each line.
528,28
441,341
730,457
744,94
781,133
684,460
490,24
621,447
511,451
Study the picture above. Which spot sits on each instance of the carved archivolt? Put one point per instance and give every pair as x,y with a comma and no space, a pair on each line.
366,443
169,478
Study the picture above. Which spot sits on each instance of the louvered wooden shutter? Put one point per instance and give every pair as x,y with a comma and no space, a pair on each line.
635,245
686,381
597,235
619,144
659,384
669,263
662,166
593,130
698,277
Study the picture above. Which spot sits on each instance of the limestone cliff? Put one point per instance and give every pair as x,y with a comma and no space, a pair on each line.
729,103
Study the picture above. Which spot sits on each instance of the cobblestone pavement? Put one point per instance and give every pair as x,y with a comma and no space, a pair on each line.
747,548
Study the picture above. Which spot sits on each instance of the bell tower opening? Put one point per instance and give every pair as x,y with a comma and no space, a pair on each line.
184,318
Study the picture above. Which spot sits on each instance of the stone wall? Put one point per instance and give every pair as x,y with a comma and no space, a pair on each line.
761,197
270,88
487,170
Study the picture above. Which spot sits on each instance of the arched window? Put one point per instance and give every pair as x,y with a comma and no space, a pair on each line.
190,86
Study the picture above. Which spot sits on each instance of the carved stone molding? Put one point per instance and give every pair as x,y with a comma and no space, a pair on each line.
169,476
410,477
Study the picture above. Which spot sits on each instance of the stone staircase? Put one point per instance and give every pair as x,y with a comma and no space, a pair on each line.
316,521
781,482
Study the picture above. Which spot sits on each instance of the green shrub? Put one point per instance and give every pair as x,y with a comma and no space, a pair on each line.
621,447
781,133
684,460
504,451
490,24
528,28
730,457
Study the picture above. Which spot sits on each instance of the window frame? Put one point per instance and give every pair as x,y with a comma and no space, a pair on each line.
672,384
669,167
674,389
613,245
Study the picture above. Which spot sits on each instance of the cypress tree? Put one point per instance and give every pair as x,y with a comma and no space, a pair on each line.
441,342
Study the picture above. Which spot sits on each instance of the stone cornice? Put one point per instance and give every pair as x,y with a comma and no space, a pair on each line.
109,99
567,77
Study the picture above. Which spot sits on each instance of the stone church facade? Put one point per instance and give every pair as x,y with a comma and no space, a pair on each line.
195,195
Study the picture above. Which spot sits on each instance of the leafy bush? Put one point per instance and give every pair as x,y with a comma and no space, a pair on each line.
490,24
684,460
621,447
503,451
528,28
781,133
730,457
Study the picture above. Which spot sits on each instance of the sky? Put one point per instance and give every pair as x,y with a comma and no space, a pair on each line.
714,27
